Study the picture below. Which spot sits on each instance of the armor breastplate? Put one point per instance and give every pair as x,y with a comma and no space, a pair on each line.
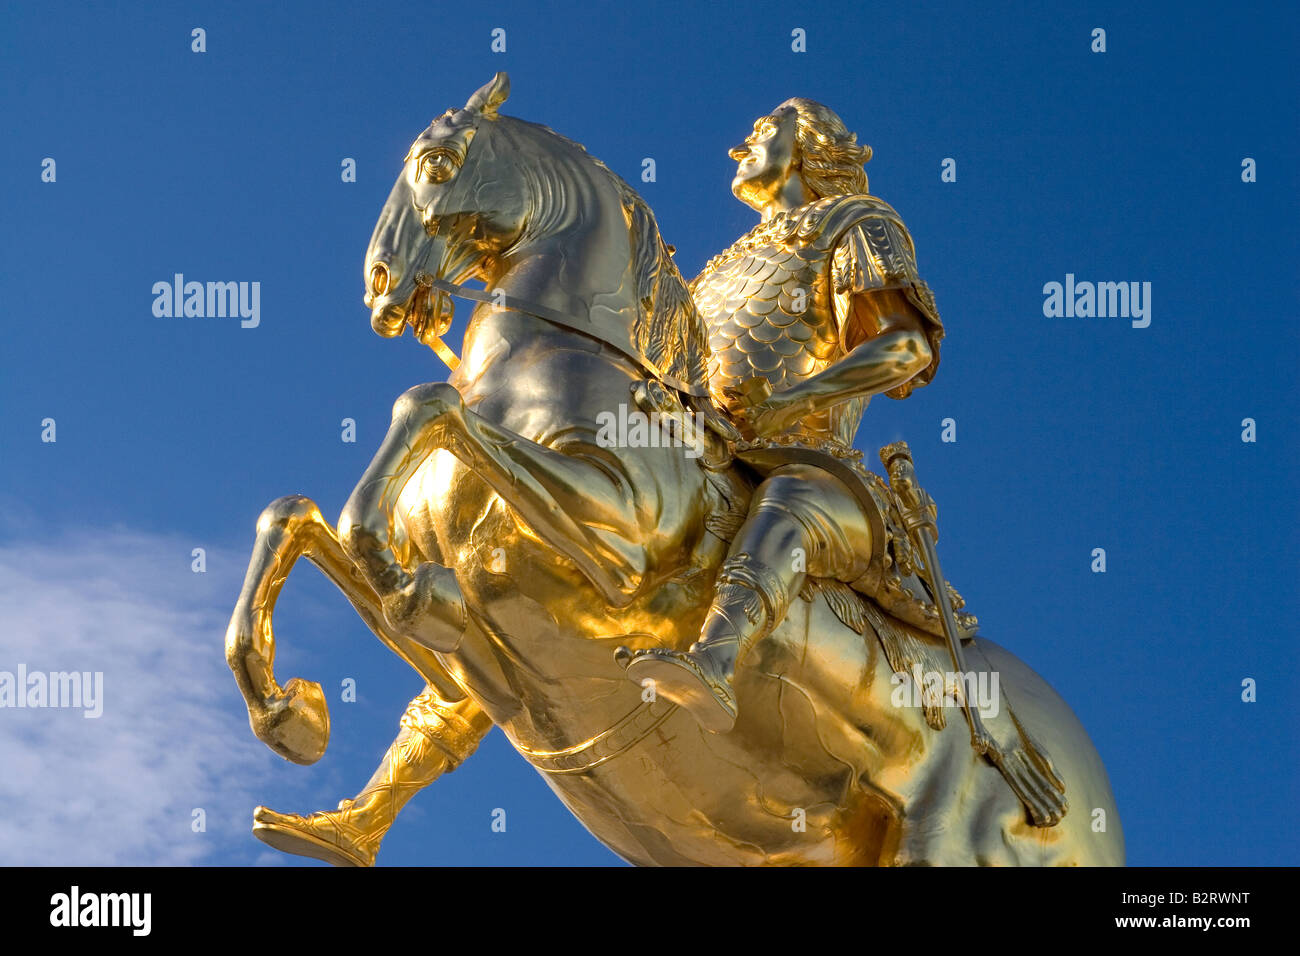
768,307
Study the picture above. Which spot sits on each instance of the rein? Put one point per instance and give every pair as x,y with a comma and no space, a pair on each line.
515,304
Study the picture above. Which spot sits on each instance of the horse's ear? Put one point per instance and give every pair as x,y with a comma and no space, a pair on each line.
490,96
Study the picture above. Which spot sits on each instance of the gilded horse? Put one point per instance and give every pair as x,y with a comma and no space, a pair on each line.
506,553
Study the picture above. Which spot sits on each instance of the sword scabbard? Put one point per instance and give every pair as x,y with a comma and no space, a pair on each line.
919,517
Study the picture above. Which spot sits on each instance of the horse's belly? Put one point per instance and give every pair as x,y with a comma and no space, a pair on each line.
790,785
687,797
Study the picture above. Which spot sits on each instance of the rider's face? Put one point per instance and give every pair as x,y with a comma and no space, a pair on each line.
767,157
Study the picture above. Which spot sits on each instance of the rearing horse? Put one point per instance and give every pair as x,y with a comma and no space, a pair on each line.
505,552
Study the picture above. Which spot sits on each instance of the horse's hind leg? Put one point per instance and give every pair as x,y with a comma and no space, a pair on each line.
294,720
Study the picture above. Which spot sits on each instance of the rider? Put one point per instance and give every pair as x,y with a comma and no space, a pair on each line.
812,312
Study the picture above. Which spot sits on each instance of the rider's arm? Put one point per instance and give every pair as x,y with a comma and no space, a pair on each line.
887,322
895,352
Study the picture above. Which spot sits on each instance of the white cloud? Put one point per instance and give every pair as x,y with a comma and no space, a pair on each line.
120,790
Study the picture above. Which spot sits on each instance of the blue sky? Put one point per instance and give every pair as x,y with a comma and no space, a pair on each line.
1072,433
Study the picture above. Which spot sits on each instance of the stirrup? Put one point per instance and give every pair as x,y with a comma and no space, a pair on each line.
680,677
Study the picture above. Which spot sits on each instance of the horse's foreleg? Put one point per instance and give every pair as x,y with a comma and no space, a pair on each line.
585,511
294,720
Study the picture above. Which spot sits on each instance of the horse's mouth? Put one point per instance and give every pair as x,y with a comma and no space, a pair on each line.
426,311
430,314
389,320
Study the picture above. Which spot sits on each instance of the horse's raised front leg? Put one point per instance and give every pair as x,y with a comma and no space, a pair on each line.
294,720
584,510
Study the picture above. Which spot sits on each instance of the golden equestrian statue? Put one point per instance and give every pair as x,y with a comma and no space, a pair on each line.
718,636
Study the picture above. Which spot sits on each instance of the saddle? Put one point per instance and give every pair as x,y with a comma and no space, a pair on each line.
896,578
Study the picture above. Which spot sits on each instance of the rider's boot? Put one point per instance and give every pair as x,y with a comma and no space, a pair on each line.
747,605
350,835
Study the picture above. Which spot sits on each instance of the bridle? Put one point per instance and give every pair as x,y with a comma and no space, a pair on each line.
516,304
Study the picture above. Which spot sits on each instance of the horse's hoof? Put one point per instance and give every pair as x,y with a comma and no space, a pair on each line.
296,725
688,683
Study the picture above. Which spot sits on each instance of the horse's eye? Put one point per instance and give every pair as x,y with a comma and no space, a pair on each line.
436,168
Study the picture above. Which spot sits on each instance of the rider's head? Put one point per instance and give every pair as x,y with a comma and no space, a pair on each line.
804,144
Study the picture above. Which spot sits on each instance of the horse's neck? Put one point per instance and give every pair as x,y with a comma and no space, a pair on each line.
535,279
581,275
514,373
586,265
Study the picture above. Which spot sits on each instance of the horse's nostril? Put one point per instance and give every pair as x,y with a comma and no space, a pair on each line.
378,279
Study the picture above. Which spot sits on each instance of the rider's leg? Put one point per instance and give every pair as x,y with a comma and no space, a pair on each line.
435,737
765,568
802,521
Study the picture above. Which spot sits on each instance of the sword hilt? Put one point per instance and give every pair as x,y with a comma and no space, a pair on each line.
918,508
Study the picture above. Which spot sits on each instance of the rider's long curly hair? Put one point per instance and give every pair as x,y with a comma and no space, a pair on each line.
830,159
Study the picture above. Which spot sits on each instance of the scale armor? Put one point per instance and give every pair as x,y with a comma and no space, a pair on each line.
817,257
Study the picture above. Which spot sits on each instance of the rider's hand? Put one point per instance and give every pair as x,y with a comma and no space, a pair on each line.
775,415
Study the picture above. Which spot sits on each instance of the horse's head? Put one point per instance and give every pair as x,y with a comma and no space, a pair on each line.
444,218
483,195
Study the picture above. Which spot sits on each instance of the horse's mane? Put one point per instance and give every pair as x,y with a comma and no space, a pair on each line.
668,331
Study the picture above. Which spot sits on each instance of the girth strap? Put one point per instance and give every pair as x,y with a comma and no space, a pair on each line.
630,730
